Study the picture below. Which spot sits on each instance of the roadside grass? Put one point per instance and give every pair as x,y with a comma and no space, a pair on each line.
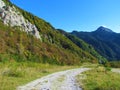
99,78
14,74
89,65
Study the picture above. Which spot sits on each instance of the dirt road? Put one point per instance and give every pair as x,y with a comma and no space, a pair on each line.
64,80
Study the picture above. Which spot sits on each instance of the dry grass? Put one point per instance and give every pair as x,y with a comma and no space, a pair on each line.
14,74
100,79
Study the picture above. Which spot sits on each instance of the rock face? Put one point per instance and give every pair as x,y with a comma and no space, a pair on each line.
11,16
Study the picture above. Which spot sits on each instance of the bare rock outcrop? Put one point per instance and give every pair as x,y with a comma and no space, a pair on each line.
11,16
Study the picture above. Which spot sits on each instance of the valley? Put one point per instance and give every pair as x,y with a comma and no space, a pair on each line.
35,55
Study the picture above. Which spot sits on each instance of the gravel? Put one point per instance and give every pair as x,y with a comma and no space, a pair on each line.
64,80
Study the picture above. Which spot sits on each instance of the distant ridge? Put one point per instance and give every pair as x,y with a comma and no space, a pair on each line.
104,40
104,29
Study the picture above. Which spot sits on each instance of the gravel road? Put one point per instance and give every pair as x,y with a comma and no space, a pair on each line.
64,80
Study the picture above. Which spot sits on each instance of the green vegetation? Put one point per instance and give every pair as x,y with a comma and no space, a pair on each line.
24,58
7,2
105,43
14,74
54,48
99,78
82,44
115,64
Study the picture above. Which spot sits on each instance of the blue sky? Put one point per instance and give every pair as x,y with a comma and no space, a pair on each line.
80,15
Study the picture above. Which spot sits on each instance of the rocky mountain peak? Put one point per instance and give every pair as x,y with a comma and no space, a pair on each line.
11,16
104,29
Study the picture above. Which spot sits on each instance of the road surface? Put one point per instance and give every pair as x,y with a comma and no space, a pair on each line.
64,80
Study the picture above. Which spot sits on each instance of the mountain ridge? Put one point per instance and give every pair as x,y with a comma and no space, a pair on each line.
104,29
83,45
104,40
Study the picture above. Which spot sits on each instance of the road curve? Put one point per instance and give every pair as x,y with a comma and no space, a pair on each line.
64,80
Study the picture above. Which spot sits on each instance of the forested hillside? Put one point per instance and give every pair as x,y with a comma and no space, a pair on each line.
104,40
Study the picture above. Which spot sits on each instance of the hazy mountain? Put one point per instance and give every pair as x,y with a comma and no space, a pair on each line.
104,40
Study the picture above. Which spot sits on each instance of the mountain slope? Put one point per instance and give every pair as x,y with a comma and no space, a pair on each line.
33,39
83,45
104,40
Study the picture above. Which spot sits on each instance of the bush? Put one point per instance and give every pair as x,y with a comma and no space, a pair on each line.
115,64
108,68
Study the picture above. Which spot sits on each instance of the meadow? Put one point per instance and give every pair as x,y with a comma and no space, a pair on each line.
99,78
14,74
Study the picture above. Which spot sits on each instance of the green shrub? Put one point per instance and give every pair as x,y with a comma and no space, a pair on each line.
115,64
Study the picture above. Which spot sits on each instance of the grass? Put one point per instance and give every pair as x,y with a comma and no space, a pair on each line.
99,78
89,65
13,74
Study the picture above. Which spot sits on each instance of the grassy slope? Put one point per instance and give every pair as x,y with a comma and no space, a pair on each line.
17,45
54,48
50,34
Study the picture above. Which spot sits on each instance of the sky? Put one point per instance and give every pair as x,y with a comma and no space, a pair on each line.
80,15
